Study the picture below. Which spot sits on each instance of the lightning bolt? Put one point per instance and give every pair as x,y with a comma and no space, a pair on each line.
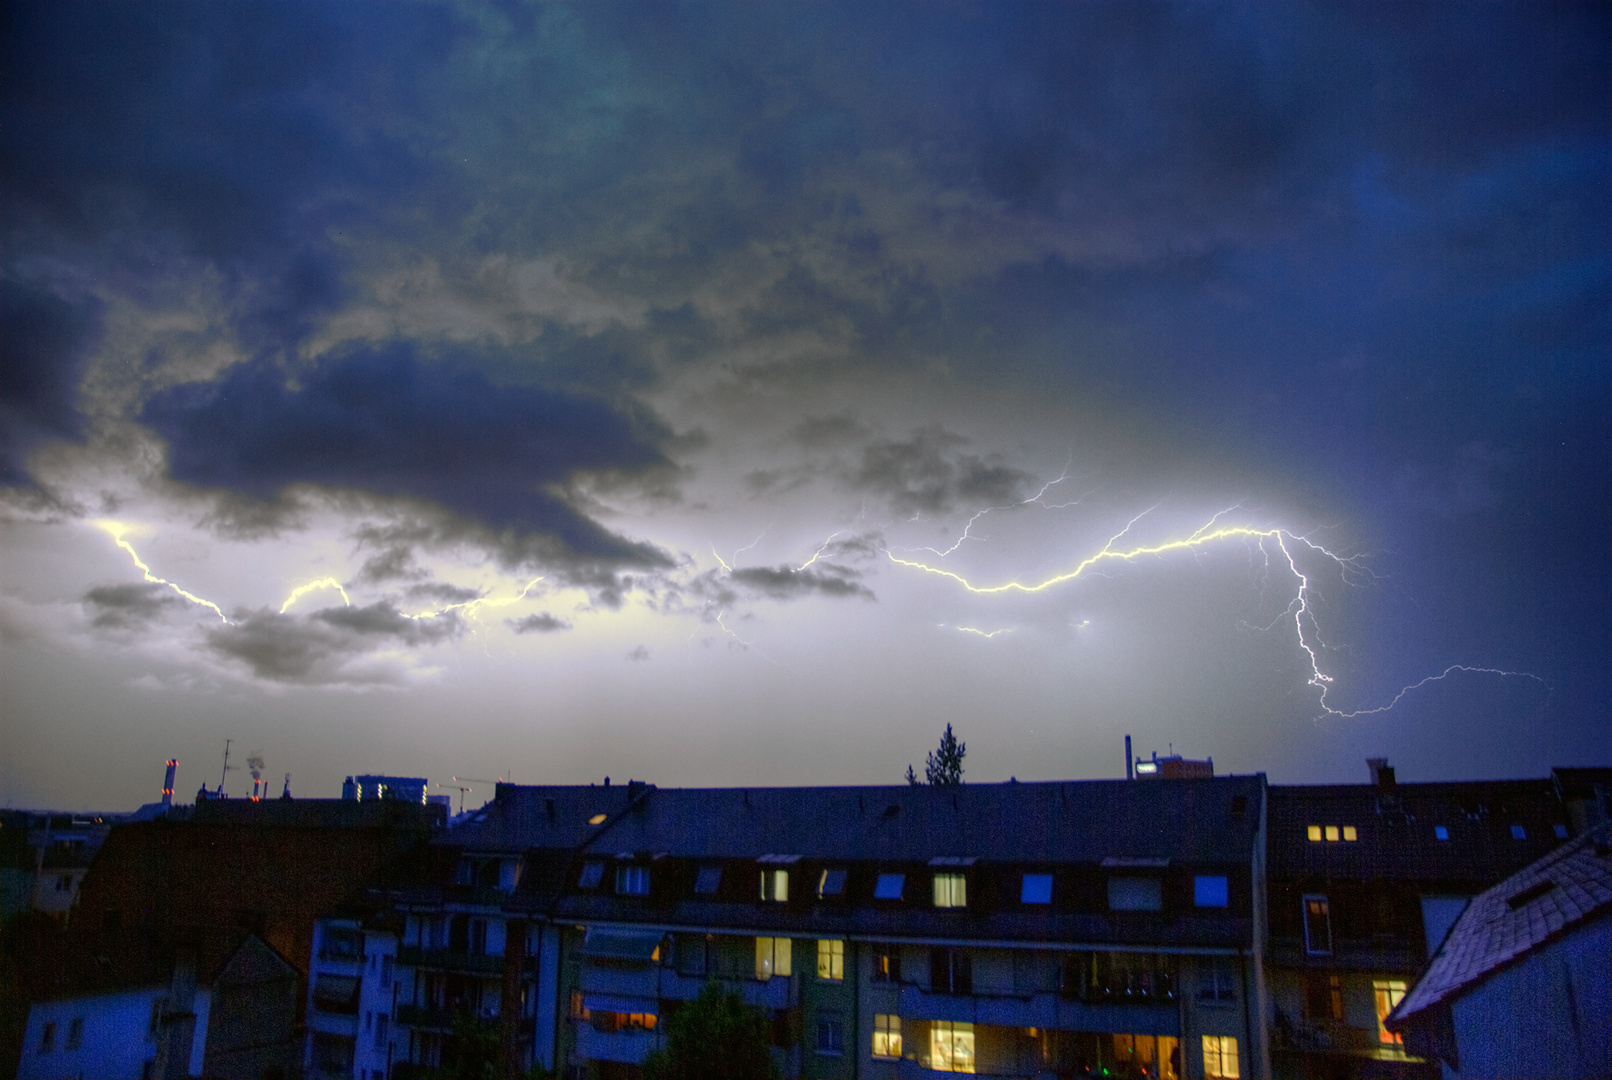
470,607
312,586
818,554
967,533
1305,626
116,529
981,633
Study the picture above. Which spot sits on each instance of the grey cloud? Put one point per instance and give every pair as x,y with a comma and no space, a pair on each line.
328,647
638,655
392,564
924,475
443,592
542,623
783,582
129,607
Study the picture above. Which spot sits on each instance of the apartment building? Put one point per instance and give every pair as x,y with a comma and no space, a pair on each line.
1001,930
1365,881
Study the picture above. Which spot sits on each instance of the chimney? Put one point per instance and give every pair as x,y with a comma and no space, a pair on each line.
168,783
1382,774
1130,766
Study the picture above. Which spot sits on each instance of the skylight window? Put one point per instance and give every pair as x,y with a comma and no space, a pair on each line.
1441,832
597,819
708,881
889,886
1519,833
1209,890
592,874
1561,832
832,883
1037,889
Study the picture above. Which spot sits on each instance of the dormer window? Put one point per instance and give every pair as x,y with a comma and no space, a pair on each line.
889,886
951,891
774,886
708,881
592,874
1037,889
831,884
632,881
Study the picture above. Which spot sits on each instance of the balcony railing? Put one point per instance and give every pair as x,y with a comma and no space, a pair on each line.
461,960
629,1047
425,1017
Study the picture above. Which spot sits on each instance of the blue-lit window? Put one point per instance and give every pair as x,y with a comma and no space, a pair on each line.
1037,889
1561,832
1209,890
1441,832
1519,833
889,886
632,880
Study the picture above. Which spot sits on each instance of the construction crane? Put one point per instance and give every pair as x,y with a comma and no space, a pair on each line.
473,781
460,788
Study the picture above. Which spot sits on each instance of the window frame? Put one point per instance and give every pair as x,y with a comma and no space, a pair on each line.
889,1026
948,1032
774,885
830,1035
1221,1044
1040,880
779,962
1326,913
831,884
1389,992
950,889
831,954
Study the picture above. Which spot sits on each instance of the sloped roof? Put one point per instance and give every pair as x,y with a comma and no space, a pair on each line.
523,816
1396,824
1075,821
1527,910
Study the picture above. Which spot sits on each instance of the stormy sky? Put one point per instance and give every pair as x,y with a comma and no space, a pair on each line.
738,394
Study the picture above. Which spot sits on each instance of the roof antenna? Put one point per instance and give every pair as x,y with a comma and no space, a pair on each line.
226,766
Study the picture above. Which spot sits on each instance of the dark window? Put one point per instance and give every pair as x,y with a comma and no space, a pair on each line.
886,964
1317,926
1323,998
75,1033
950,971
1217,981
830,1035
1129,978
708,881
592,874
1135,894
47,1038
832,883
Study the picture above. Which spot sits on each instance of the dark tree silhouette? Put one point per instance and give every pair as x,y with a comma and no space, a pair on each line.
714,1037
944,765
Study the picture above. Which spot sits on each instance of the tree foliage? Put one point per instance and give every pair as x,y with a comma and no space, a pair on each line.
714,1037
945,764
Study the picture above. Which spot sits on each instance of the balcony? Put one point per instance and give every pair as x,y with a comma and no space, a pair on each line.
641,980
424,1018
1039,1010
460,960
778,992
332,1023
627,1047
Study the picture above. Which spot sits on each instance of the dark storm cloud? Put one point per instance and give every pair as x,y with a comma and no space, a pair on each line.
242,134
541,623
924,475
43,343
328,647
377,421
442,592
785,583
129,607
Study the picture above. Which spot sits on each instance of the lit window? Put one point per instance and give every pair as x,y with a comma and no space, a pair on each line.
889,886
592,874
597,819
1317,926
1440,832
951,1046
579,1010
951,890
1389,993
1519,833
1332,832
832,883
1314,832
1561,832
887,964
772,957
886,1036
47,1038
1349,834
1209,890
830,959
775,886
830,1035
1135,894
1220,1057
632,880
1037,889
708,881
75,1034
